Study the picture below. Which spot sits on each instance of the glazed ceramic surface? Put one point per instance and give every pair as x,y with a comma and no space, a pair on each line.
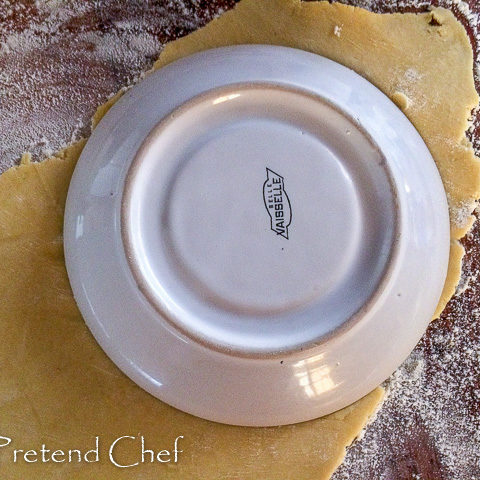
256,235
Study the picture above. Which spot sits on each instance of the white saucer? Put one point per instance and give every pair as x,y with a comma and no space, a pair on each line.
256,235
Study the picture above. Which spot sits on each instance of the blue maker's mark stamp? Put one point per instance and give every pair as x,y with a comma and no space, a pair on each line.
277,203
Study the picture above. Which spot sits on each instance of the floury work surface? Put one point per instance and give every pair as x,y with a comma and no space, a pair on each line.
427,426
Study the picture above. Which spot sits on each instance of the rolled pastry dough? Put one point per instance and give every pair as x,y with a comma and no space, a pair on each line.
57,386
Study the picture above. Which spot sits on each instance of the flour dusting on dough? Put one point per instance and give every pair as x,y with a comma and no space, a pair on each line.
427,407
129,46
462,214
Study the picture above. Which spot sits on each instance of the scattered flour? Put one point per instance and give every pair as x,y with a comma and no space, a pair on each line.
432,406
59,59
430,419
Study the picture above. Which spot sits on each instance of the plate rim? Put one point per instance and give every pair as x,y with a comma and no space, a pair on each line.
296,407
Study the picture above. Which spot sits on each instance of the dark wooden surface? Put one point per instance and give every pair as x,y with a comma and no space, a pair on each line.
405,446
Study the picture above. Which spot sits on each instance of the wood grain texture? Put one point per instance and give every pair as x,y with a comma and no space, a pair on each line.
414,451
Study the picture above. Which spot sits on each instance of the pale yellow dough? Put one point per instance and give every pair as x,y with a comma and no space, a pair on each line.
57,386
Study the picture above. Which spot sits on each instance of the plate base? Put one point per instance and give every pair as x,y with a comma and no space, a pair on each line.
259,218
